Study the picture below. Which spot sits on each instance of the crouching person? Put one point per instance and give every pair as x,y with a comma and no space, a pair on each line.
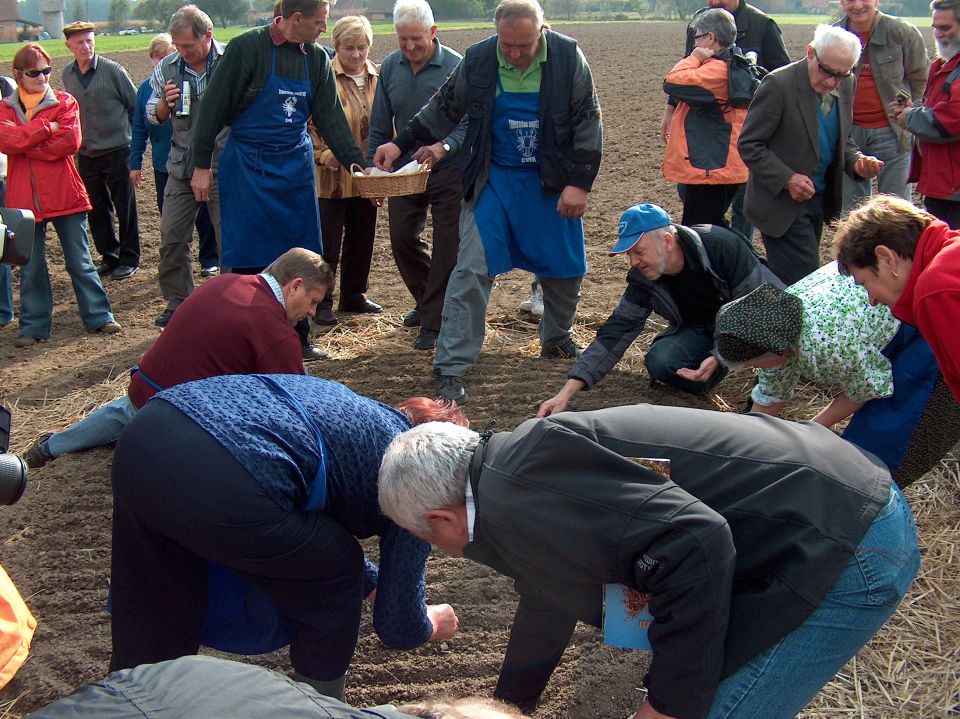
775,552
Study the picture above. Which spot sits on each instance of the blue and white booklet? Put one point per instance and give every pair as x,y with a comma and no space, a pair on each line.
626,618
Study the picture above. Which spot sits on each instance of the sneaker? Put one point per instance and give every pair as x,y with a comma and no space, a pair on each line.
37,454
534,303
426,339
25,341
450,387
312,353
162,319
122,272
106,267
412,318
211,271
108,328
565,350
325,318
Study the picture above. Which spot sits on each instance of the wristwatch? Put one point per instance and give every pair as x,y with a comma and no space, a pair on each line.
446,147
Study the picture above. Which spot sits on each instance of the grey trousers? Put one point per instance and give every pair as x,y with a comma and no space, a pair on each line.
180,208
465,305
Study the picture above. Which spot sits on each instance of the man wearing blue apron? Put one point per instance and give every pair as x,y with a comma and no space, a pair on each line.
531,154
270,81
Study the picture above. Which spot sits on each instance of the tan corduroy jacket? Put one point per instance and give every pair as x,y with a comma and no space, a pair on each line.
357,104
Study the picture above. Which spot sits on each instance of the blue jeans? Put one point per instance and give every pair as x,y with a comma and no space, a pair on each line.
36,296
685,348
6,294
892,180
782,679
102,426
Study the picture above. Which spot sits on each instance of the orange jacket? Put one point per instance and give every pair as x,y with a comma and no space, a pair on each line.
702,149
16,629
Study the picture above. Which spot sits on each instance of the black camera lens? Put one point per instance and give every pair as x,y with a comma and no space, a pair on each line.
13,478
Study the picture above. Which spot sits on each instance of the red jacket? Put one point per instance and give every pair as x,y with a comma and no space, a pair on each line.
931,299
41,175
935,165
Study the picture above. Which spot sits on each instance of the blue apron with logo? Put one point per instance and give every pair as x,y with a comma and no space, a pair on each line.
268,195
518,222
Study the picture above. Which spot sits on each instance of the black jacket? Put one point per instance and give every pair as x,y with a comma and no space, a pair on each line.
723,257
760,518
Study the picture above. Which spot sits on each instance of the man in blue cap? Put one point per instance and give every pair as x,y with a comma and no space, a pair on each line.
684,274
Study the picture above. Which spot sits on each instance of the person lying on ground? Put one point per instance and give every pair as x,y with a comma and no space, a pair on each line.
233,324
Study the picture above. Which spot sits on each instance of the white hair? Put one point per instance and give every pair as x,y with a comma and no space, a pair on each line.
827,37
413,12
423,469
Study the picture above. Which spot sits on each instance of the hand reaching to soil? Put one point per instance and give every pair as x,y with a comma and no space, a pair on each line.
444,621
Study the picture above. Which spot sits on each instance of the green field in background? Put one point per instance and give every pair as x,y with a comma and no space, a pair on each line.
119,43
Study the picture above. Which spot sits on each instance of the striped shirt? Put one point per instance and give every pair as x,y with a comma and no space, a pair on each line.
158,82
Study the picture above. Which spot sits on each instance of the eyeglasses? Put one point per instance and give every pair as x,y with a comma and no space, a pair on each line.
831,73
697,37
37,73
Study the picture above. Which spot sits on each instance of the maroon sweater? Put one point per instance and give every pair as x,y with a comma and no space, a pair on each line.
232,324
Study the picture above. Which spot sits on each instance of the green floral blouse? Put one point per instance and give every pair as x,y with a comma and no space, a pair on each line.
840,342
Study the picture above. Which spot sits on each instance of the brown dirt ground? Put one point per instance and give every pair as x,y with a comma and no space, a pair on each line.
55,542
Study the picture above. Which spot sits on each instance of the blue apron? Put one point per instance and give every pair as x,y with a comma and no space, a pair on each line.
518,222
241,617
268,196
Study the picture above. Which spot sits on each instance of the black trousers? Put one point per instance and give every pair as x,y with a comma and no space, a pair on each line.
207,253
706,204
180,499
107,179
426,273
796,253
348,225
302,327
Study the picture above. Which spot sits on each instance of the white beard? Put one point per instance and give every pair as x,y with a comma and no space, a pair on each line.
948,49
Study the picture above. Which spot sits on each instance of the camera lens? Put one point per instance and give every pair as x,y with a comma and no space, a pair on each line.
13,478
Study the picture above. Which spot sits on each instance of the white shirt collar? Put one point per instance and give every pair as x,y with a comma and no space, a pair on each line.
471,511
275,286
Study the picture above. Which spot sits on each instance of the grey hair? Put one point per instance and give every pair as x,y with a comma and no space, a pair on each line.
423,469
509,11
947,5
409,12
827,37
719,22
191,18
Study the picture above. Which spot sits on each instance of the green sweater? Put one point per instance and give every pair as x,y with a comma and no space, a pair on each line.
241,74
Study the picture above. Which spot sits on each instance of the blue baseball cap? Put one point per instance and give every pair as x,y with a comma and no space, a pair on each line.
635,221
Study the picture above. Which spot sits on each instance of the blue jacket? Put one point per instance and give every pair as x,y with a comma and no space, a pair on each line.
143,129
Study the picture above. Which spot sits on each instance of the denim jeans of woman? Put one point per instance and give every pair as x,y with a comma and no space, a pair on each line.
36,295
782,679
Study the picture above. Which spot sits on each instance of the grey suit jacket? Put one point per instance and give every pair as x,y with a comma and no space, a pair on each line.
780,138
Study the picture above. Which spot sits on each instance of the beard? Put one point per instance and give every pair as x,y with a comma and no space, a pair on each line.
948,48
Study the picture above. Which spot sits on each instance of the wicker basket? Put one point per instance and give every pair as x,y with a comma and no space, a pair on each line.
391,185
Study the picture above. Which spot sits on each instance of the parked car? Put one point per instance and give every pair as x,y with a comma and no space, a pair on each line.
129,31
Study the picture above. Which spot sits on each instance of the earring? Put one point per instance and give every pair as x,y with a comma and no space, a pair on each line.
896,275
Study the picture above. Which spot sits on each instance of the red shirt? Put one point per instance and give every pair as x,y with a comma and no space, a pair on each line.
931,300
232,324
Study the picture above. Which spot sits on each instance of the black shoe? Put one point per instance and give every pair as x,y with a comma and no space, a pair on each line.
37,454
412,318
450,387
426,339
360,305
565,350
163,318
325,318
211,271
106,267
122,272
312,353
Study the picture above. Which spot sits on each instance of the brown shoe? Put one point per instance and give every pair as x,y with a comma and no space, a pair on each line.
25,341
108,328
37,454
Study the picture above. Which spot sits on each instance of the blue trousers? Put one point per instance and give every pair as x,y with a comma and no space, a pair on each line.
36,295
684,349
102,426
782,679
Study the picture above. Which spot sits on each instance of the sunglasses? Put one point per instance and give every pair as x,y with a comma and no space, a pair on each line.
37,73
831,73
